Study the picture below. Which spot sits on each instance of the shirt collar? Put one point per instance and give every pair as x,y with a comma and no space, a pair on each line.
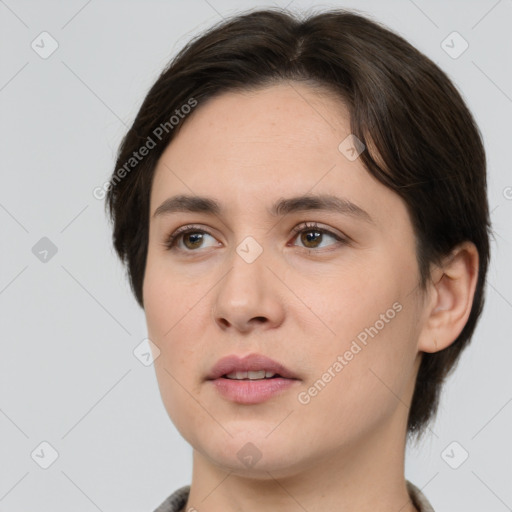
177,500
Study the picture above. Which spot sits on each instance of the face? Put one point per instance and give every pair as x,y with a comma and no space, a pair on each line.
328,290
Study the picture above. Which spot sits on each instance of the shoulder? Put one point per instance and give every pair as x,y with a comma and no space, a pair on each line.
176,501
418,498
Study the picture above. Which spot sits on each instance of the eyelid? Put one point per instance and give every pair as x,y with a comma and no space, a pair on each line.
305,226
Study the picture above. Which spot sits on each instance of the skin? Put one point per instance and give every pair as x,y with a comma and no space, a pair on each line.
301,304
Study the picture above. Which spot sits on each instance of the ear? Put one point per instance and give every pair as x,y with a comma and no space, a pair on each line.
451,293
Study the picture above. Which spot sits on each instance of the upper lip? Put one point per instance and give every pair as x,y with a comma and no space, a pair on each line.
251,362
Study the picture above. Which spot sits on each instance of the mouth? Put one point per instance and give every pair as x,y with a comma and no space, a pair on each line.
252,375
251,367
251,379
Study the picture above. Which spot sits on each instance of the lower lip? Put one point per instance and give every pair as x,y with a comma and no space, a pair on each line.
252,391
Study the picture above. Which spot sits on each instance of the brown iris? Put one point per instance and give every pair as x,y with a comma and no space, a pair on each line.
310,236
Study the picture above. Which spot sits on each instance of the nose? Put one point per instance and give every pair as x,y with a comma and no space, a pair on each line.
249,296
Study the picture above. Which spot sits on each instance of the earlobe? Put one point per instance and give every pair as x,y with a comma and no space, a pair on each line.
452,292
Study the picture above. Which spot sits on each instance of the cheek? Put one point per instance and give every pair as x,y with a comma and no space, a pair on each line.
164,307
369,344
157,289
167,297
363,378
167,305
351,298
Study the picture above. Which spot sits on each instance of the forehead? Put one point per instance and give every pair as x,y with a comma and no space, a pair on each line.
250,148
286,115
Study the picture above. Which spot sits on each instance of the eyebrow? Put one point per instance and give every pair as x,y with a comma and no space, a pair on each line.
323,202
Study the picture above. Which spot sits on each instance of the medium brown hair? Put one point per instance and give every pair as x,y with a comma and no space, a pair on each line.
423,141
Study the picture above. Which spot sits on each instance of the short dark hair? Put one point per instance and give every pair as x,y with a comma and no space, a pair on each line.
422,140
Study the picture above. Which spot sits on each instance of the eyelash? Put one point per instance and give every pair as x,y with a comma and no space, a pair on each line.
170,242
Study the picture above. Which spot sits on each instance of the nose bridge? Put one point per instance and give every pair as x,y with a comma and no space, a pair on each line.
247,291
245,281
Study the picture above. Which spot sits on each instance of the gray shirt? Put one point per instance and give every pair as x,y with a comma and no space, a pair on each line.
177,500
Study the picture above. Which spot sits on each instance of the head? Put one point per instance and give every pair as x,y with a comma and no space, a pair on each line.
265,107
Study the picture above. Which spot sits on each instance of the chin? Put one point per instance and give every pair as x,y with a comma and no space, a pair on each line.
254,456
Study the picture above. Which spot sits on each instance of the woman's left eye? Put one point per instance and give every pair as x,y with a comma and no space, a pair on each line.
312,235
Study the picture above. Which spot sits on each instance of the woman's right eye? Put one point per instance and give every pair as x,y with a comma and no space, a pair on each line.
187,239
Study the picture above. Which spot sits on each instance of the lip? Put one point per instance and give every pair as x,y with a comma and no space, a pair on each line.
251,362
250,391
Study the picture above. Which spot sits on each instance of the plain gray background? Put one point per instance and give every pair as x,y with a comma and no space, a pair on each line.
68,374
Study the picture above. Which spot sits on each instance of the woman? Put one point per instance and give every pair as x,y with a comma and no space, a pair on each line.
301,205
